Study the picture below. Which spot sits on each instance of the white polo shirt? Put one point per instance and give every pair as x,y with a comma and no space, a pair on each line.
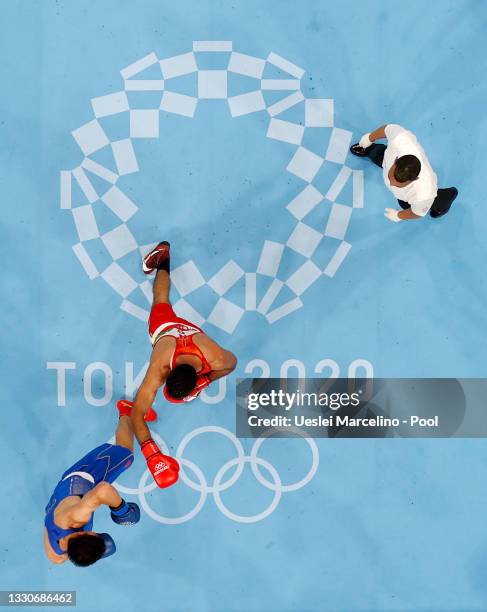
421,193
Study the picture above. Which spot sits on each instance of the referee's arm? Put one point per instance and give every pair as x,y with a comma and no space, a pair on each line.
378,134
408,214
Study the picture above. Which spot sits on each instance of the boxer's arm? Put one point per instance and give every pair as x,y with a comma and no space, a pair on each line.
102,494
223,366
51,555
153,380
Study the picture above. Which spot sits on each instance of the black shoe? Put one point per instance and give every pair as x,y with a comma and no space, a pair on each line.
452,193
359,151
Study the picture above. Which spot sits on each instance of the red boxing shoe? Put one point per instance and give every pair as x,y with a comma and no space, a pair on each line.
158,255
125,409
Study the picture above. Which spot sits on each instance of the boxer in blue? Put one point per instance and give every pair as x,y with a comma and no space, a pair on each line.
85,487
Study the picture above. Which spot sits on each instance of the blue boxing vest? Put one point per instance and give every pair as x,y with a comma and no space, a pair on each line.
76,483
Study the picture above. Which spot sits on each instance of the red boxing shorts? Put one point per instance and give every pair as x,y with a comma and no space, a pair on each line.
164,321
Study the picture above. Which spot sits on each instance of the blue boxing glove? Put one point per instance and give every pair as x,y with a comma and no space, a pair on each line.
125,513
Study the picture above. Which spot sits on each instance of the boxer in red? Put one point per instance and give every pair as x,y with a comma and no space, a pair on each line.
184,359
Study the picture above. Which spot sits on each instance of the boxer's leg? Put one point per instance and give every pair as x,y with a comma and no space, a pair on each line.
161,288
124,434
159,259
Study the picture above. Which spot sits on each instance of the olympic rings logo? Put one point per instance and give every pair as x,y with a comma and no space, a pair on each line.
200,484
160,467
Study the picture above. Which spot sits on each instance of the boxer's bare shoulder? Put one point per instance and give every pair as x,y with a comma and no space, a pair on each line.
162,352
218,357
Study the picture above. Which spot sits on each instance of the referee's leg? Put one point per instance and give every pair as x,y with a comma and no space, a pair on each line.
443,201
376,153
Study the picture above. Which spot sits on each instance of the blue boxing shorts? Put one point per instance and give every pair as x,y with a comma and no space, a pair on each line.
104,463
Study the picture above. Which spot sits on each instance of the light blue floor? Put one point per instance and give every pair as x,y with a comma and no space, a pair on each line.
383,524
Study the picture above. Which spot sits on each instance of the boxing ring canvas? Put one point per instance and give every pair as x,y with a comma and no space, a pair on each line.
225,128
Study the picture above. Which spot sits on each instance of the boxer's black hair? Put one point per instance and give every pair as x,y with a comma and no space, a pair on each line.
85,549
407,168
181,381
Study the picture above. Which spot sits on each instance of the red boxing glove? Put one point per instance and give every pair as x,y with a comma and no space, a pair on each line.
201,383
163,468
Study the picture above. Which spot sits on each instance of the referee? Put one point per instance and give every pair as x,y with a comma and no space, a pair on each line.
407,173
